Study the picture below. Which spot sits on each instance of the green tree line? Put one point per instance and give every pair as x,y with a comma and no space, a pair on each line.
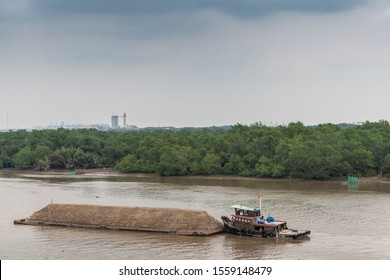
286,151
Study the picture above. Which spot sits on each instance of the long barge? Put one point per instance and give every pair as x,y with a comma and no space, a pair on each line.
168,220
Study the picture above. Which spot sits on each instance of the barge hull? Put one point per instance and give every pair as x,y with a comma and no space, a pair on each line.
72,225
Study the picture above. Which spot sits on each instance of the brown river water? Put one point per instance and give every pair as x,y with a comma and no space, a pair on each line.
345,222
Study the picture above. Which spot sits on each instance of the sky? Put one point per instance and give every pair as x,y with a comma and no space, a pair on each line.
193,62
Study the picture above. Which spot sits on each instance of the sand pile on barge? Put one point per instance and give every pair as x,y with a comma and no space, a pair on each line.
178,221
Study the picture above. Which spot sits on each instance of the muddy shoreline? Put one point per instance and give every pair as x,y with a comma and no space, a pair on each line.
112,173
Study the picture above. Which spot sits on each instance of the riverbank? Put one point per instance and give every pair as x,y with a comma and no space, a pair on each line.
66,173
112,173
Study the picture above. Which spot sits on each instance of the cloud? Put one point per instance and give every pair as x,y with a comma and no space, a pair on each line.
241,8
200,64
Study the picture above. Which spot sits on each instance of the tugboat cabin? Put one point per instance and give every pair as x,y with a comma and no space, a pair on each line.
244,216
241,210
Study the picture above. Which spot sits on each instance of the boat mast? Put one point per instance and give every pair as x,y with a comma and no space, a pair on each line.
259,198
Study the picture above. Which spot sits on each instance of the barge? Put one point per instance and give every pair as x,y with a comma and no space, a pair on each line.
168,220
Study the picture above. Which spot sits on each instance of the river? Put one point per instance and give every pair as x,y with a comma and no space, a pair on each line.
345,223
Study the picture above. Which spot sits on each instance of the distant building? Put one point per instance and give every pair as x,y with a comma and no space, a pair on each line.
114,122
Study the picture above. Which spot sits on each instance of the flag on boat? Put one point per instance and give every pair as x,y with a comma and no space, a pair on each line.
259,198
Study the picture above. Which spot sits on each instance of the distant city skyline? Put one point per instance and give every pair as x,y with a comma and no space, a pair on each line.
109,125
63,124
194,63
7,125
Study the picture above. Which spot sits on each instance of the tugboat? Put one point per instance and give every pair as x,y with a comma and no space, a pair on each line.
250,222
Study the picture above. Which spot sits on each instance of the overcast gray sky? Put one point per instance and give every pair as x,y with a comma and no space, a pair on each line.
194,62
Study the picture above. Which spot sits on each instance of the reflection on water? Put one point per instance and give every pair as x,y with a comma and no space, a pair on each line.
353,186
346,222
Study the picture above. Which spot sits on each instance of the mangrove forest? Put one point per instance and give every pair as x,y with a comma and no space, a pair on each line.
286,151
